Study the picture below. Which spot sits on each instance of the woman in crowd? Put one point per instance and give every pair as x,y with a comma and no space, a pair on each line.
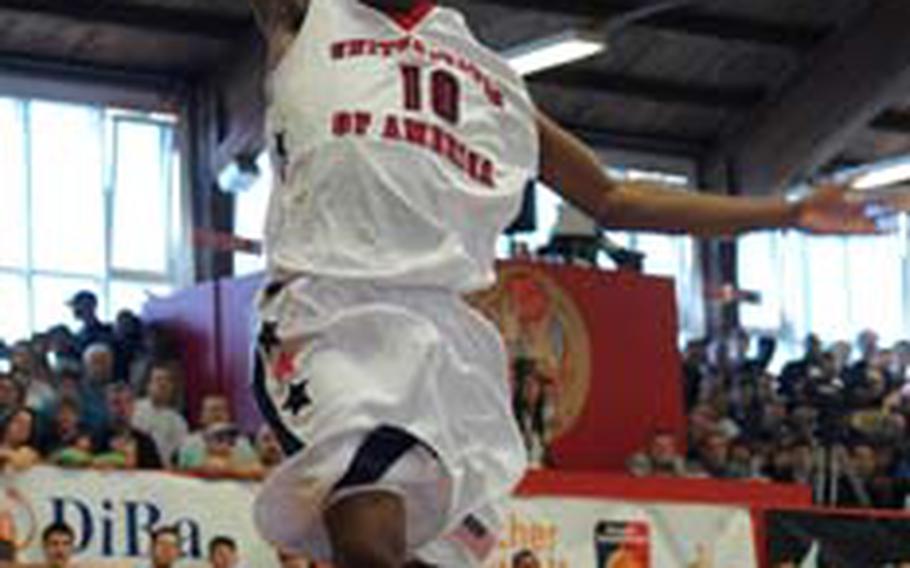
18,440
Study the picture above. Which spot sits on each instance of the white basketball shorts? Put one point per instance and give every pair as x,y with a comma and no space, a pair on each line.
391,389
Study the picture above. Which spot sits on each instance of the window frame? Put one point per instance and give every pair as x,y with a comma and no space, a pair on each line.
175,191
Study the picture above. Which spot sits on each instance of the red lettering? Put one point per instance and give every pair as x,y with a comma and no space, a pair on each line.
456,154
385,48
495,97
437,140
416,131
391,131
446,95
411,76
357,47
486,173
338,50
473,162
342,123
362,121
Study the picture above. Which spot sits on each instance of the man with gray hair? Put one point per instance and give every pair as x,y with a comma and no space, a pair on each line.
97,373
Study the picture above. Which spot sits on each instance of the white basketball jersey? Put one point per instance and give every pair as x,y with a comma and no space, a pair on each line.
402,147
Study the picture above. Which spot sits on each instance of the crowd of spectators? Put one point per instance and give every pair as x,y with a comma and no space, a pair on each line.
835,419
111,396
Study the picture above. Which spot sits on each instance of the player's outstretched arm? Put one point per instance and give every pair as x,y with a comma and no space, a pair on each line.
571,167
279,21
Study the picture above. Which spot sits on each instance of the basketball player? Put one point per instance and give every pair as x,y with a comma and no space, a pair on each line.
401,148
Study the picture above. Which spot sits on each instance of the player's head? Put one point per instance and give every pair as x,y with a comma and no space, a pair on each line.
165,547
223,552
57,540
162,383
84,305
525,559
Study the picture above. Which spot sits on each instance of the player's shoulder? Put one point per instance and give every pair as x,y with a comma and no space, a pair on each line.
280,22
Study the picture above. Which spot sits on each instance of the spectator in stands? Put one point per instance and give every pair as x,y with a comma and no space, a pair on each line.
803,421
743,463
774,422
158,346
861,485
867,374
122,451
220,458
57,542
85,307
695,368
166,547
810,367
33,374
123,429
98,372
62,353
712,457
223,553
68,442
155,414
804,462
901,362
660,459
215,410
129,344
826,390
18,440
703,421
12,395
269,450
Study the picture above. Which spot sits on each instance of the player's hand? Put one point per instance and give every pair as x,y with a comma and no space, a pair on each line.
835,209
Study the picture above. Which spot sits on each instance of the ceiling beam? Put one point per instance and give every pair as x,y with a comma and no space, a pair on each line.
687,21
851,80
71,71
32,77
653,89
195,22
663,143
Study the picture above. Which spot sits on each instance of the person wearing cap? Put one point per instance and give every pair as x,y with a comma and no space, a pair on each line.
220,458
215,408
85,309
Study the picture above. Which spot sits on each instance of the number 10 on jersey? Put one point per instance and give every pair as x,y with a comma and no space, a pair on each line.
442,88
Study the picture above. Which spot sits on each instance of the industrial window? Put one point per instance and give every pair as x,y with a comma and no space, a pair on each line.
90,201
832,286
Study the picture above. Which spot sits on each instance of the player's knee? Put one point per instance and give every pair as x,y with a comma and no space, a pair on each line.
357,551
368,531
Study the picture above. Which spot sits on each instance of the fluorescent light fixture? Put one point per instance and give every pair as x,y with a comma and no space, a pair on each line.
553,51
882,174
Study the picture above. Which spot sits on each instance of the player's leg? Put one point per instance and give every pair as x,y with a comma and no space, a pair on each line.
367,530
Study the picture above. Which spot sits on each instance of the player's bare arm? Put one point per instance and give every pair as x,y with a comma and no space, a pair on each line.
571,167
279,21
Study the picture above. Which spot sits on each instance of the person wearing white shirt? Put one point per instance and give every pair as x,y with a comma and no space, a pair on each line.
155,414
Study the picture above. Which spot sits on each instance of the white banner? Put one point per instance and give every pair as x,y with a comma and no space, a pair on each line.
113,512
583,533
